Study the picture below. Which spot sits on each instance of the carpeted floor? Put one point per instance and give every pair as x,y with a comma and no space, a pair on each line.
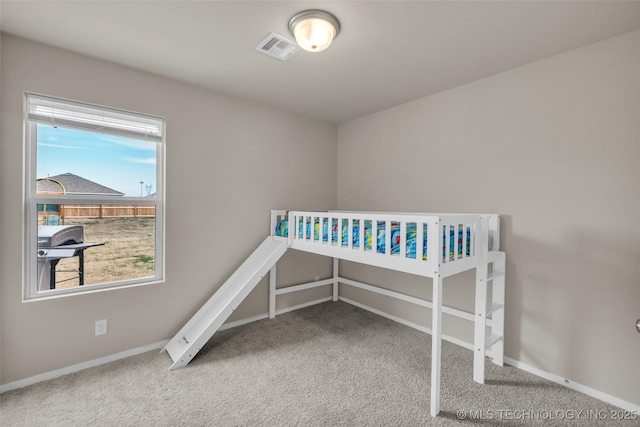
327,365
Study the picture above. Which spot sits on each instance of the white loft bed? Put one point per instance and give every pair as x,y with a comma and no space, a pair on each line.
429,245
477,246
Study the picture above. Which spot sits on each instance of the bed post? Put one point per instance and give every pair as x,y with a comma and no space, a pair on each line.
497,296
272,292
480,321
272,273
436,345
336,268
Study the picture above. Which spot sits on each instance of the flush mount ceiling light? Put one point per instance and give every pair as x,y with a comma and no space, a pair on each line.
314,30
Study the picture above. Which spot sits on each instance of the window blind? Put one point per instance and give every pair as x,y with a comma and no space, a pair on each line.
57,112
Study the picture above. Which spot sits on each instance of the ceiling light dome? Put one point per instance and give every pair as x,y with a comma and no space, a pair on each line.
314,30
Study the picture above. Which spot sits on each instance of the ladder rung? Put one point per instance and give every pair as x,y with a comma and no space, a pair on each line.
492,308
491,340
495,275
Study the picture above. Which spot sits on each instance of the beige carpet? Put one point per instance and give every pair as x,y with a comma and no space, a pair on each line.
327,365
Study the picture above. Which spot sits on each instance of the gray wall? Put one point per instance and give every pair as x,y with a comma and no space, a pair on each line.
552,146
229,162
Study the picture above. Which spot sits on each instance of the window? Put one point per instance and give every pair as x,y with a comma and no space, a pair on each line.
94,198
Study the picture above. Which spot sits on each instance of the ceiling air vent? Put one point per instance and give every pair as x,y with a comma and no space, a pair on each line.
277,47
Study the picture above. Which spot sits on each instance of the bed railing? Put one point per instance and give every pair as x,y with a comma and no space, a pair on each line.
425,244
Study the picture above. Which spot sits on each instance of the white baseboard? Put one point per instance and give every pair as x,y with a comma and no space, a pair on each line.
80,366
627,406
299,306
623,404
244,321
266,315
139,350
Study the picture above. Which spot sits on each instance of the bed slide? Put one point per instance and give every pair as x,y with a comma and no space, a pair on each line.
195,334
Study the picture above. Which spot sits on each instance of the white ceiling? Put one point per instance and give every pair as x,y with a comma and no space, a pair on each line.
388,52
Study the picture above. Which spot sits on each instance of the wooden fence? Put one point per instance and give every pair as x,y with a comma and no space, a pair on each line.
49,217
102,211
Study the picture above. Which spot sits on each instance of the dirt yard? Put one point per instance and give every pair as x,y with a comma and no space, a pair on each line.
128,250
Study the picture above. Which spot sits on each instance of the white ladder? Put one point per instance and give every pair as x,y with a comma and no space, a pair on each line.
489,314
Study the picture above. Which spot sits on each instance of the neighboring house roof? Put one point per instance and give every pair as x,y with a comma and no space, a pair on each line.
68,183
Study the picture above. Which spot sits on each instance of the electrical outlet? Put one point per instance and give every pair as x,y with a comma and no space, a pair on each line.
315,279
101,327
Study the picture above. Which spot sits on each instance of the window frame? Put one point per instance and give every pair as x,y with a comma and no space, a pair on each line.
32,200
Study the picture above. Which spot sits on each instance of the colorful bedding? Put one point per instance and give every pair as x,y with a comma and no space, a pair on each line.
340,235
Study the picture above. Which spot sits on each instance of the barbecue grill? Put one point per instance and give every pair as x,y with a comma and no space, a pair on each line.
56,242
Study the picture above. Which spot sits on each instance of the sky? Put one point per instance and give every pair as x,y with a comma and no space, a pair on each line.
115,162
